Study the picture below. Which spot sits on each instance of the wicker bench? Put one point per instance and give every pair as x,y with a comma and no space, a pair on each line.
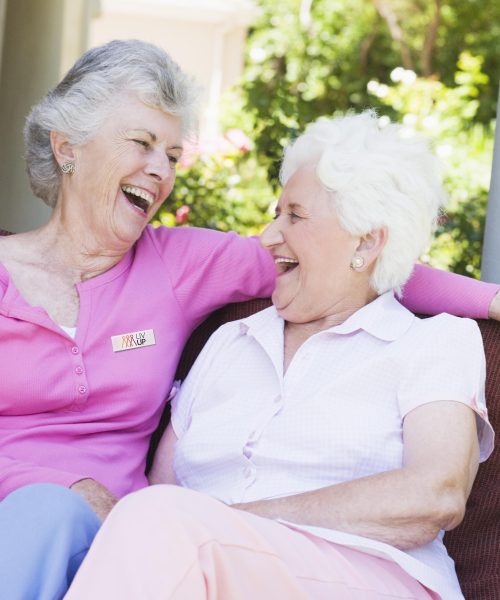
475,544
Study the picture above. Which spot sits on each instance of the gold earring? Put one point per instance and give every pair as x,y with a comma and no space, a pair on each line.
357,262
68,167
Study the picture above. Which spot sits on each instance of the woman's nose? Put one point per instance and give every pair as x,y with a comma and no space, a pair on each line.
271,236
159,166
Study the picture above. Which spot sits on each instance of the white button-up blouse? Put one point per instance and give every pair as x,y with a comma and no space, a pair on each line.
247,431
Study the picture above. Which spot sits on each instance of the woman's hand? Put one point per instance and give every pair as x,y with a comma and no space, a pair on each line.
98,497
494,310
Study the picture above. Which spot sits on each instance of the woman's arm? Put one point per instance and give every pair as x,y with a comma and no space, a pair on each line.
405,507
162,470
432,291
17,473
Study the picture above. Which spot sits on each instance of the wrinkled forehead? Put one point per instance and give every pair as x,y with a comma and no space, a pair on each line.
305,188
305,179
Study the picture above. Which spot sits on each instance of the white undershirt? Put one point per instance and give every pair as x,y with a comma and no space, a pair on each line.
71,331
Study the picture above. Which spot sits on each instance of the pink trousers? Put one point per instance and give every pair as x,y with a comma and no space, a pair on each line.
170,543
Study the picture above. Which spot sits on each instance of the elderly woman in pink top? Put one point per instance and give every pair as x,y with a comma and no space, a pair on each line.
322,447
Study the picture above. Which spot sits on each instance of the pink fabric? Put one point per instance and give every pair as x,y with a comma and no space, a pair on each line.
168,542
71,409
431,291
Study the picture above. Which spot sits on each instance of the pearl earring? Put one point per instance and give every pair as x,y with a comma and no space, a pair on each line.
357,262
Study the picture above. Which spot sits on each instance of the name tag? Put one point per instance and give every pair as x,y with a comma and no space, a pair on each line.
130,341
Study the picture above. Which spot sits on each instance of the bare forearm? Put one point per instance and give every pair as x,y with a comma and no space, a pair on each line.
401,508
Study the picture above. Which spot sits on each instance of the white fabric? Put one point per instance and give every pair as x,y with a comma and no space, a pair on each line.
71,331
248,432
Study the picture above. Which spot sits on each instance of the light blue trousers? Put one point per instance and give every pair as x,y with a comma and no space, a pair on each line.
45,533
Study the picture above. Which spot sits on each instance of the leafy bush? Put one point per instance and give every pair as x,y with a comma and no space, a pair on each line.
222,188
447,116
308,58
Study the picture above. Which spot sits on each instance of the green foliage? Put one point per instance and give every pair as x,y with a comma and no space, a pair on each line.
300,66
447,115
221,190
473,26
308,58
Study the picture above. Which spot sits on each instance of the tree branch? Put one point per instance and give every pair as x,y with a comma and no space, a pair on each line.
389,16
364,51
430,40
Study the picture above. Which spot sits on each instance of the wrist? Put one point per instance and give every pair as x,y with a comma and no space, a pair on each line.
494,309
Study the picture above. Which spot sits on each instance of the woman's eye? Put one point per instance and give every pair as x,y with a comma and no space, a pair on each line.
173,160
142,143
293,216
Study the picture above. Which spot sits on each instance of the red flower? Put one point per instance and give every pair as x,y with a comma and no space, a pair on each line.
182,214
238,139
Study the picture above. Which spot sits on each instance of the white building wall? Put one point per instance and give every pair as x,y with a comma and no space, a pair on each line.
206,38
32,62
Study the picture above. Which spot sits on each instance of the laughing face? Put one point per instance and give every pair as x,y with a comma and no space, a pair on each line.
311,251
124,173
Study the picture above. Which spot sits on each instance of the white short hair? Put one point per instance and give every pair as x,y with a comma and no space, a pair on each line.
378,177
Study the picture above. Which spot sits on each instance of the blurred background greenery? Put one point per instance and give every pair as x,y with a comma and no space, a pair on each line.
430,64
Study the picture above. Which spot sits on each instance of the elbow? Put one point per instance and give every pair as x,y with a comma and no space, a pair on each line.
443,513
447,505
452,510
444,510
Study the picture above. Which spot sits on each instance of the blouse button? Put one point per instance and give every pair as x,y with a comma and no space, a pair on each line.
75,350
82,389
78,370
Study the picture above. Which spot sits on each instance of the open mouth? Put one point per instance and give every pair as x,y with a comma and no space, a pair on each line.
285,265
138,197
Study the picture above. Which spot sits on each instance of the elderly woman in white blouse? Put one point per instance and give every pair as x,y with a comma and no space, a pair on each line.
320,448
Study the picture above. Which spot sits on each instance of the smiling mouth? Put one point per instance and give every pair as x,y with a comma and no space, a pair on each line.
138,197
285,265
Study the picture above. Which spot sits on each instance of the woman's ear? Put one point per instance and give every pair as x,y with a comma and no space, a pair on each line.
62,149
370,246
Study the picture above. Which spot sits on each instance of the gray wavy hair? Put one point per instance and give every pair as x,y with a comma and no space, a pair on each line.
79,104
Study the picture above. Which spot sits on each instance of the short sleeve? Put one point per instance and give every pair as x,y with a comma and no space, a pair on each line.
447,363
210,268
